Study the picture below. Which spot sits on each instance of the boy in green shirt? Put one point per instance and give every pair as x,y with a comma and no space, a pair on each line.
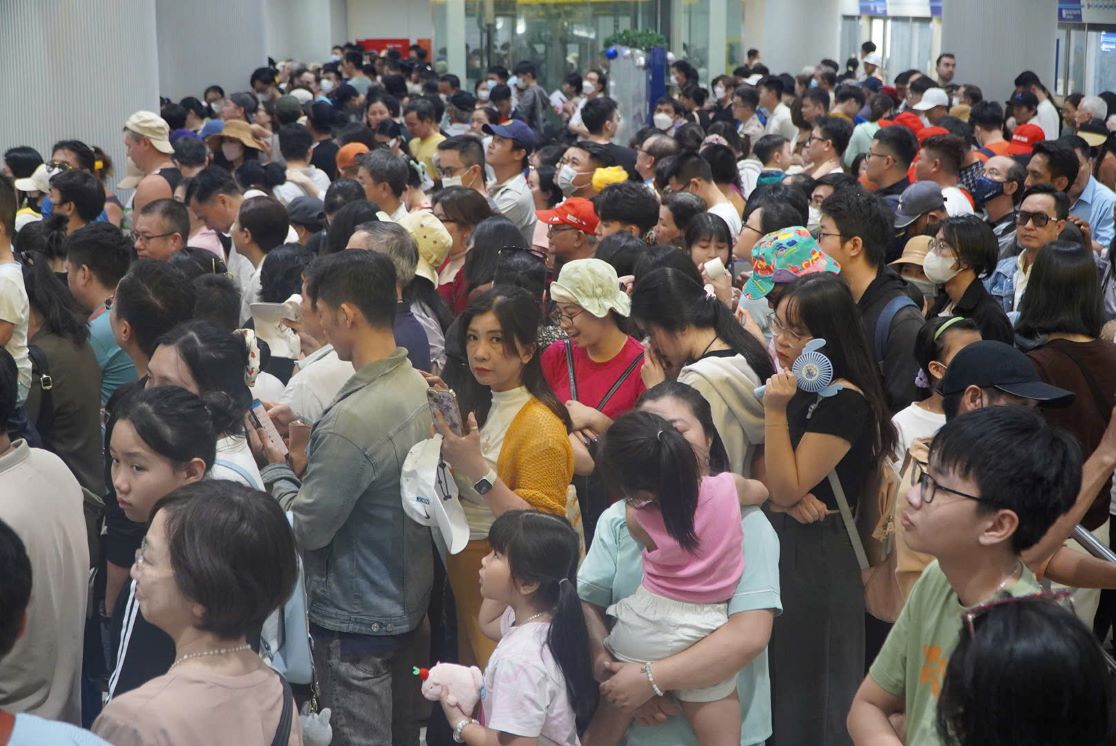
997,479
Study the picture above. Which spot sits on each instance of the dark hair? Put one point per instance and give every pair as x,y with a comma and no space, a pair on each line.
209,182
174,115
194,262
857,212
499,92
462,205
822,304
722,164
846,91
950,150
1060,159
702,412
194,104
1066,296
190,151
217,300
265,219
900,143
597,112
103,248
365,279
1061,201
819,96
688,166
386,167
674,104
672,301
83,190
629,203
695,93
246,100
519,315
255,175
53,302
356,132
689,137
341,193
84,154
622,250
930,343
175,423
22,161
643,452
217,360
880,105
766,147
1037,478
490,235
390,102
9,385
173,213
422,108
988,115
468,149
684,207
922,84
543,548
153,298
837,130
214,89
232,551
521,269
15,572
973,241
281,272
960,129
666,256
748,95
345,222
295,142
709,227
1027,659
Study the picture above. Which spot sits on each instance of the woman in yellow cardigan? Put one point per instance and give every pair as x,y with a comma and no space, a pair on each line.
516,454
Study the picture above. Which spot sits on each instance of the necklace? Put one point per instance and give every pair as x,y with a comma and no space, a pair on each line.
532,618
218,651
699,357
1010,576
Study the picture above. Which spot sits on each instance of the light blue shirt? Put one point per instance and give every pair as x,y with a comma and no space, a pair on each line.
613,569
1094,206
116,366
31,730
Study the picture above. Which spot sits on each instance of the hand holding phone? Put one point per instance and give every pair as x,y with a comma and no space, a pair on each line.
261,420
444,401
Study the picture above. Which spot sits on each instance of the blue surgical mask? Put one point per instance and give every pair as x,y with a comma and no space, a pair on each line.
986,189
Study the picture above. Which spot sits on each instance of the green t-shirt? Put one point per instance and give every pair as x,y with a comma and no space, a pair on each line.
912,663
613,569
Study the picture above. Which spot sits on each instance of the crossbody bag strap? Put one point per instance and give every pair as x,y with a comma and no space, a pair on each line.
848,520
283,732
570,370
619,381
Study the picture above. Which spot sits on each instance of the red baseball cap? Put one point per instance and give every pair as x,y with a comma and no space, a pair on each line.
574,211
926,132
1023,139
909,120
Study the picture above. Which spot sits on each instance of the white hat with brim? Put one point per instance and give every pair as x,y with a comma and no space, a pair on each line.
932,98
593,285
38,181
152,126
430,495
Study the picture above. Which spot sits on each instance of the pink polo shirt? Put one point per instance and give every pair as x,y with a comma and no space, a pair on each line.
711,572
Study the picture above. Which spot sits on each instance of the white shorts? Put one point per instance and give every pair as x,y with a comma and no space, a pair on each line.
650,627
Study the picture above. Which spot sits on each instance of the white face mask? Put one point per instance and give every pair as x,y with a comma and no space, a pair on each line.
483,93
924,286
415,89
232,150
513,82
662,121
939,270
719,91
393,143
814,219
326,85
490,83
567,174
335,58
587,87
451,181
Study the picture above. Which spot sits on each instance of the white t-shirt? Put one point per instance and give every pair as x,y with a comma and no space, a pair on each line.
913,423
956,203
318,378
727,211
524,690
1047,118
288,190
15,309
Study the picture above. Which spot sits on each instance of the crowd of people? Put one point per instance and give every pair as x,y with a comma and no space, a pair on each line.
769,425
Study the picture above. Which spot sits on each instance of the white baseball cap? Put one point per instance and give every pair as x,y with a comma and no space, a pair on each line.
430,496
933,97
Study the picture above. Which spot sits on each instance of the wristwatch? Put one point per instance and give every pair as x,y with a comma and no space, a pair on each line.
460,728
484,484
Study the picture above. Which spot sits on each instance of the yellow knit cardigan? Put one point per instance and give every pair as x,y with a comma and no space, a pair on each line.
536,460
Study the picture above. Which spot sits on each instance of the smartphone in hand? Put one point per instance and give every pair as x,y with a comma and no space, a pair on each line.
259,417
445,401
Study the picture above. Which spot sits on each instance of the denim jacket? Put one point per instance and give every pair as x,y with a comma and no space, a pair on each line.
1001,283
369,567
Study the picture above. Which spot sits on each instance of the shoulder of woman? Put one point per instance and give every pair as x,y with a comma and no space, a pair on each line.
537,416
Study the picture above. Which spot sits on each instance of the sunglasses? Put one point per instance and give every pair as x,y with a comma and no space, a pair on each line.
1040,219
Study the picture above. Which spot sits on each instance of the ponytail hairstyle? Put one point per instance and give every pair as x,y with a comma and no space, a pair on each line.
544,549
217,361
175,423
670,300
643,452
702,412
930,344
519,314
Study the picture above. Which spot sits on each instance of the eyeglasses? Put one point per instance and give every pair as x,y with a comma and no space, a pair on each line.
757,231
146,237
779,328
870,154
1040,219
940,248
928,487
551,229
823,234
815,138
1062,597
569,315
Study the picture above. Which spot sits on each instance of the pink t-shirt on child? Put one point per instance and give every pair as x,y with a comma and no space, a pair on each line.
710,573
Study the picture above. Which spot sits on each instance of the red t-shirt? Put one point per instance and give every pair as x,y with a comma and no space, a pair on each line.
595,379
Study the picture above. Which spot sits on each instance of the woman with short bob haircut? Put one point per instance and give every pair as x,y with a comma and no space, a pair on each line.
964,251
218,558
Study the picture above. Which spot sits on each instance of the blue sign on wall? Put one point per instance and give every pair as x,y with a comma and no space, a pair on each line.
1069,10
873,7
936,8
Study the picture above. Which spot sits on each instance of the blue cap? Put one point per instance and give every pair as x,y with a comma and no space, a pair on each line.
515,130
212,127
179,134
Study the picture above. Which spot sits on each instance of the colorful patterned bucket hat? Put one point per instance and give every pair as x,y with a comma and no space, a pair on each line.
783,256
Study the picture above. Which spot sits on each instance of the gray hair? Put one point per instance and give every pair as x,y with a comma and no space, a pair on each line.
393,240
1096,107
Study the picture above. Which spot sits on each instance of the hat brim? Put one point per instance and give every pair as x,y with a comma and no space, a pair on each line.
27,185
1038,391
923,106
757,287
163,146
902,220
620,303
1093,139
1016,149
424,269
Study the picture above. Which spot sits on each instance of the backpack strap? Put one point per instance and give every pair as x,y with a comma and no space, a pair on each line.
570,370
240,471
848,520
286,718
883,323
620,381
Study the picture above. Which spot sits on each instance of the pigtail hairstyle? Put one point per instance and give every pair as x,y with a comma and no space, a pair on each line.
643,452
544,549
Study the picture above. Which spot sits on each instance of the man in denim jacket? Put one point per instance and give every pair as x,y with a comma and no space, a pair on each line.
1043,204
368,566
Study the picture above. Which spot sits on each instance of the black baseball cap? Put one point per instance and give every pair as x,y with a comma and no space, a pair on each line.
992,364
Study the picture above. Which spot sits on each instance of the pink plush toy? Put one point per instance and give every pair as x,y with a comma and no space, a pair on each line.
458,686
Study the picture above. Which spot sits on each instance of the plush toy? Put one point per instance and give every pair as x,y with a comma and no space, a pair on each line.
458,686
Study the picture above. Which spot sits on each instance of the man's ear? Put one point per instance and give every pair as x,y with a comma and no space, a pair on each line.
998,527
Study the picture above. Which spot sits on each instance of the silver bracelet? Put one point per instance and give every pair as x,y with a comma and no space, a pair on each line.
651,679
459,729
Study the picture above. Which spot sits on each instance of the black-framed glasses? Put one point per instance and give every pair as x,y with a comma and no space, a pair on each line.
569,315
870,154
1040,219
144,237
928,487
823,234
